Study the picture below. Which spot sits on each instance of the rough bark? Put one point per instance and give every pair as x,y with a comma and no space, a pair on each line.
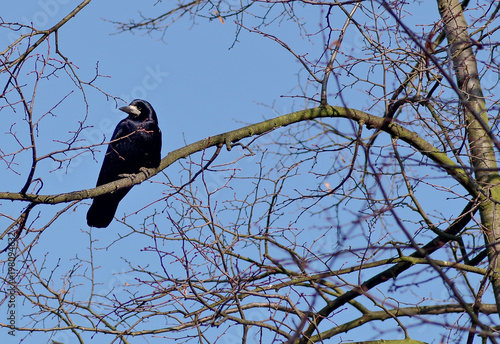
482,154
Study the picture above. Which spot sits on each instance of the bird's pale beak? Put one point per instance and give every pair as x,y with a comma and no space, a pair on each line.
131,110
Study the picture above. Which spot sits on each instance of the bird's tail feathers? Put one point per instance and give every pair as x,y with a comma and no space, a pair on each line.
103,209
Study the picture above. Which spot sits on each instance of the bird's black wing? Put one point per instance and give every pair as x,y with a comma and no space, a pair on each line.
149,154
120,153
134,144
117,161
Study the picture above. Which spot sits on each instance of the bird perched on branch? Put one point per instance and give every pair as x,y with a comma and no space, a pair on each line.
136,143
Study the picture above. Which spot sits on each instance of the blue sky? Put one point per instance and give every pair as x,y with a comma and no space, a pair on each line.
196,83
198,86
199,83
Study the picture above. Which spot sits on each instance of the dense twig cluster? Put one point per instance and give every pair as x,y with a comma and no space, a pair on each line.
313,225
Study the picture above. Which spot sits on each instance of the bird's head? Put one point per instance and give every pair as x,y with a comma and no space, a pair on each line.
140,110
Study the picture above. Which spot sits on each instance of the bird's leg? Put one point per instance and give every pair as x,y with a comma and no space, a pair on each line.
127,175
144,170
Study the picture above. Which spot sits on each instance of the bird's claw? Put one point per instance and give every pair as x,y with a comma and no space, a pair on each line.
144,170
126,175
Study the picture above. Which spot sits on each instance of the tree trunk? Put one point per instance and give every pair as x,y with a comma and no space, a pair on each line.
481,147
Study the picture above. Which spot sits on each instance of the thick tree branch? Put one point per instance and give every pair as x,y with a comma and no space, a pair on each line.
390,273
399,312
231,137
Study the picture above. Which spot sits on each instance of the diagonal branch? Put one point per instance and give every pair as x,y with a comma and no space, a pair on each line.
363,118
44,33
390,273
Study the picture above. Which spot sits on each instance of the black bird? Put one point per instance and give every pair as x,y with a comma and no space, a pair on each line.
136,143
